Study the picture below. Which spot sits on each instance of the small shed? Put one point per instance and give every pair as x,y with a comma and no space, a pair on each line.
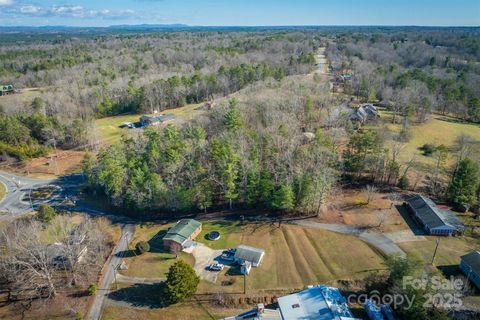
249,254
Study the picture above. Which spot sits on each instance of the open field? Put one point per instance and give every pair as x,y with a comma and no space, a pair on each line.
109,127
58,163
437,130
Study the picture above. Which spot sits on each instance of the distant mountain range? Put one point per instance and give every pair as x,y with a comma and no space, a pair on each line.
185,27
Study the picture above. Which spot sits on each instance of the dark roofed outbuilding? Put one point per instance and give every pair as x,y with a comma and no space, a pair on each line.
434,220
470,265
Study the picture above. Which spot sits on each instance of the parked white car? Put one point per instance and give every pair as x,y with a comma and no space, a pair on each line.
216,267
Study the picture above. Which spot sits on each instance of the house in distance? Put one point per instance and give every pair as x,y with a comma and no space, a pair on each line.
6,89
434,220
155,120
181,235
364,113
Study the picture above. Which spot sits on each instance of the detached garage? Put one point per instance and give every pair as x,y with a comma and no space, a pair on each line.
434,220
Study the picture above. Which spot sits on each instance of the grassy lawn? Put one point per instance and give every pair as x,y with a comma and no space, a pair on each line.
109,127
153,264
438,130
3,191
295,256
449,250
229,234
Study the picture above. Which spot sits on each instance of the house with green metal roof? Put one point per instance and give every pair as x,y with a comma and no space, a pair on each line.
6,89
181,235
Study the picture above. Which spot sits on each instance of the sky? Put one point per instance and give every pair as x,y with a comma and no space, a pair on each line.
240,12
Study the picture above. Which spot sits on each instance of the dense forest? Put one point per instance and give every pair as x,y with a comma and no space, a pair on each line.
83,78
252,153
414,74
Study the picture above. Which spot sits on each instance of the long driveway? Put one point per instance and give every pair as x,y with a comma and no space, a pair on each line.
378,240
128,230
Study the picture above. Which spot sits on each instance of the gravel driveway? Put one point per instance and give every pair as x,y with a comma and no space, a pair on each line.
204,256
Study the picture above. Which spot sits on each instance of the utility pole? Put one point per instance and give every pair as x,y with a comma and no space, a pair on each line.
435,252
244,283
115,276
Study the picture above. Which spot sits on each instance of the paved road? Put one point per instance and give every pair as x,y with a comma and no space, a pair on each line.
17,188
128,230
17,201
378,240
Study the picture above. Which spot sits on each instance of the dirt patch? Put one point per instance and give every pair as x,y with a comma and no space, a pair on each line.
61,163
204,256
349,207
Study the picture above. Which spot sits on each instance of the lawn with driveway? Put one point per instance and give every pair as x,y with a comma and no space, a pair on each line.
153,264
295,256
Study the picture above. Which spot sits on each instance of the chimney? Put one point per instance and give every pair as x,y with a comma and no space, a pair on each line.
260,309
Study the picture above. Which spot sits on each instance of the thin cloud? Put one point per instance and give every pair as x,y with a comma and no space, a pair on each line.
6,2
66,11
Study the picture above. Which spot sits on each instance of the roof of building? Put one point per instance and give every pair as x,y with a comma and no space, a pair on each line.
254,314
6,87
431,215
248,253
315,303
374,312
472,259
157,118
182,230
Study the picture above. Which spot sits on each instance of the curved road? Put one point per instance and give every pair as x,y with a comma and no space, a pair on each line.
17,188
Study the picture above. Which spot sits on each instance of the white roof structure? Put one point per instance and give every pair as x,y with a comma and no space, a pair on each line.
315,303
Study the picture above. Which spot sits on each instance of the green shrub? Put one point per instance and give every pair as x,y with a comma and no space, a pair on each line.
142,247
403,182
79,316
46,213
92,289
428,149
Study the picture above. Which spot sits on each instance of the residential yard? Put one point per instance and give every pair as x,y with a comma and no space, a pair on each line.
145,308
295,256
109,128
153,264
71,299
449,251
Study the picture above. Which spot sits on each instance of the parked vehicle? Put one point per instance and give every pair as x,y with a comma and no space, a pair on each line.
227,256
216,267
